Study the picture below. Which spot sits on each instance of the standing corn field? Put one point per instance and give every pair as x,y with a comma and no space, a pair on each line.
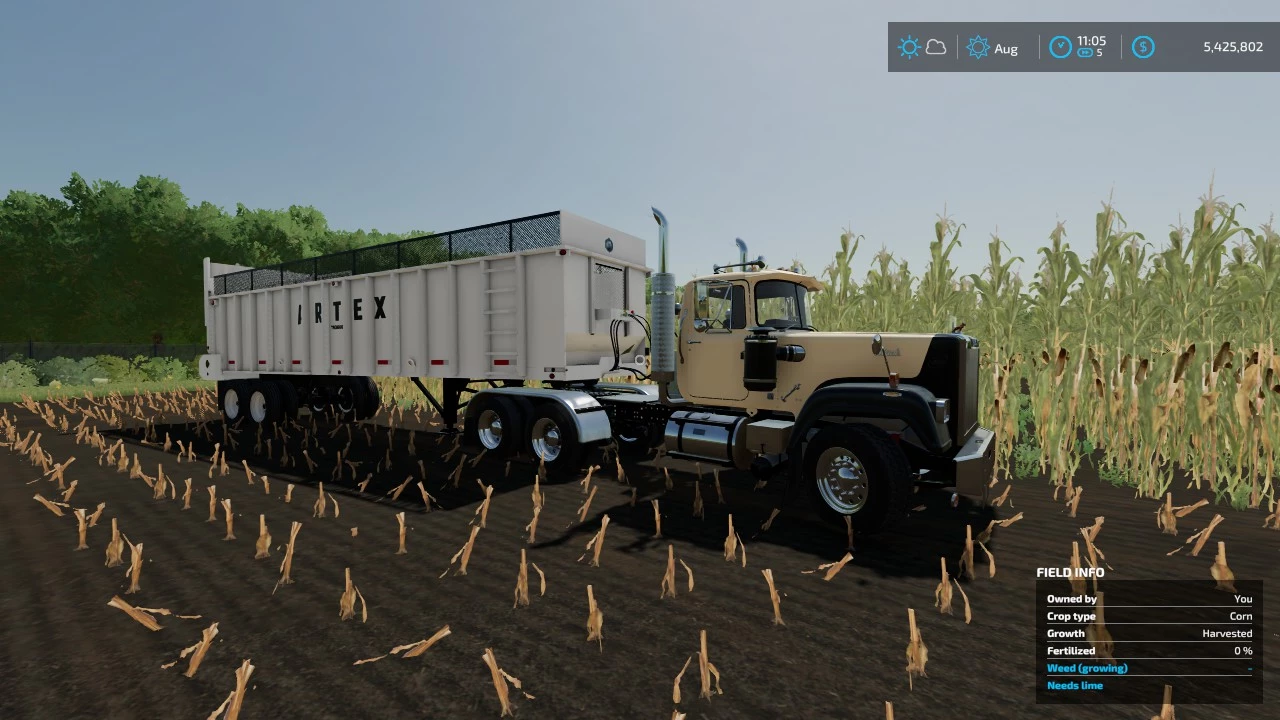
1159,358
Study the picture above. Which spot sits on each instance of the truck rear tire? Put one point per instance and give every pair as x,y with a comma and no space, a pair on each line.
857,472
232,400
553,440
494,424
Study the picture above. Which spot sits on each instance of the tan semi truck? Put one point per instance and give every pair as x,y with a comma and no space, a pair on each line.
541,308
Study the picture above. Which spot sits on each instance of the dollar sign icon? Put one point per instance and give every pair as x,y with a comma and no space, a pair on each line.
1143,47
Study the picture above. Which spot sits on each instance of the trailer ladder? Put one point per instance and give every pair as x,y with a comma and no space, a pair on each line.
503,315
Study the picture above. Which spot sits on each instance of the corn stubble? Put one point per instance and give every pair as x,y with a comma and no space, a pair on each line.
500,683
226,507
1166,708
773,597
143,618
917,652
82,526
347,603
463,556
263,546
595,619
134,573
235,701
413,649
1220,572
596,543
286,565
1098,635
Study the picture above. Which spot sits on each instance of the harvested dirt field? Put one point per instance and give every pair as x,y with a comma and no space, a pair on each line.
64,653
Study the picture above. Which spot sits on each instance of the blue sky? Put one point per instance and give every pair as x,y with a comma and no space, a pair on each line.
773,121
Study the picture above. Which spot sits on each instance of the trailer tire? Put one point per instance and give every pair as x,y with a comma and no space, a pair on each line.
372,399
553,440
349,399
856,472
289,398
493,423
319,400
232,400
266,406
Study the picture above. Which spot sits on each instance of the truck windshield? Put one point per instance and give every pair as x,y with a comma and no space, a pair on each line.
781,304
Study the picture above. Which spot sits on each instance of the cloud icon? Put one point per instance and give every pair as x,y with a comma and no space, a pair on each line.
935,47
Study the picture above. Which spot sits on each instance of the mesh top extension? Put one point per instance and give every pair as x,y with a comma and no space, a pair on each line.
526,233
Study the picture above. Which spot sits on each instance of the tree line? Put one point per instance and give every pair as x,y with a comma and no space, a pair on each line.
107,262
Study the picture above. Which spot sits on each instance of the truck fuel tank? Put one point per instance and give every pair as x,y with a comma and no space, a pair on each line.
705,436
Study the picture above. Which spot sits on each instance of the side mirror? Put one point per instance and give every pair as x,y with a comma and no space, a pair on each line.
877,345
700,324
677,309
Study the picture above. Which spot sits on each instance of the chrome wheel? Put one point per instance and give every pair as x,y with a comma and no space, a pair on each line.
489,429
545,439
842,480
231,404
258,406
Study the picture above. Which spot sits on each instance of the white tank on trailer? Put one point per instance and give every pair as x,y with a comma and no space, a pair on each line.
528,299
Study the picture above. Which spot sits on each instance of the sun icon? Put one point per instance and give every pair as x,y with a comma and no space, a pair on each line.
978,47
909,47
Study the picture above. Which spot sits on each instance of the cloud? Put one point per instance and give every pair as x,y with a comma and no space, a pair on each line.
935,47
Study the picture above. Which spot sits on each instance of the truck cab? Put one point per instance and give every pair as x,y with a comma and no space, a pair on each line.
723,309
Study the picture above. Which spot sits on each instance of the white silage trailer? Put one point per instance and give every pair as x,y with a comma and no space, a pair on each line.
526,299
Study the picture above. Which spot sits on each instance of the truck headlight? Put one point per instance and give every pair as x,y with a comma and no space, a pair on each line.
942,410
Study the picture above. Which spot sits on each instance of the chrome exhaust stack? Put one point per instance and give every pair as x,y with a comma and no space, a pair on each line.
663,322
742,252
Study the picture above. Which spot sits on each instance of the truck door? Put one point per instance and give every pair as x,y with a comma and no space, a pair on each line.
711,344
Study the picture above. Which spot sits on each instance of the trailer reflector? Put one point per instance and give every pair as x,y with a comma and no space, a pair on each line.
501,362
231,362
439,362
297,362
384,362
337,362
262,362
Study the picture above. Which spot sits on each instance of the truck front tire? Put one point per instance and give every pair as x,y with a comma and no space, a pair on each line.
857,472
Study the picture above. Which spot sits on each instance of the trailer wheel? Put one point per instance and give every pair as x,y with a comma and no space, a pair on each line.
553,439
857,472
265,404
289,398
349,399
493,424
318,400
372,399
232,399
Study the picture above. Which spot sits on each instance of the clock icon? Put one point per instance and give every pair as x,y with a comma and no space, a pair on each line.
1060,46
1143,47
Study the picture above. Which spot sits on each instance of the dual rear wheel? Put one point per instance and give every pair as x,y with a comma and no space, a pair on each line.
508,426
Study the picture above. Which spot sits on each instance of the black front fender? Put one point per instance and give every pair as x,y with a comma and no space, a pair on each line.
912,404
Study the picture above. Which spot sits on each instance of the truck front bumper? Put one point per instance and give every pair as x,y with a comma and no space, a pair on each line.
974,465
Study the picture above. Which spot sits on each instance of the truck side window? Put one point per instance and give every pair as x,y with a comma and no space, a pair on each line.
780,304
722,304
